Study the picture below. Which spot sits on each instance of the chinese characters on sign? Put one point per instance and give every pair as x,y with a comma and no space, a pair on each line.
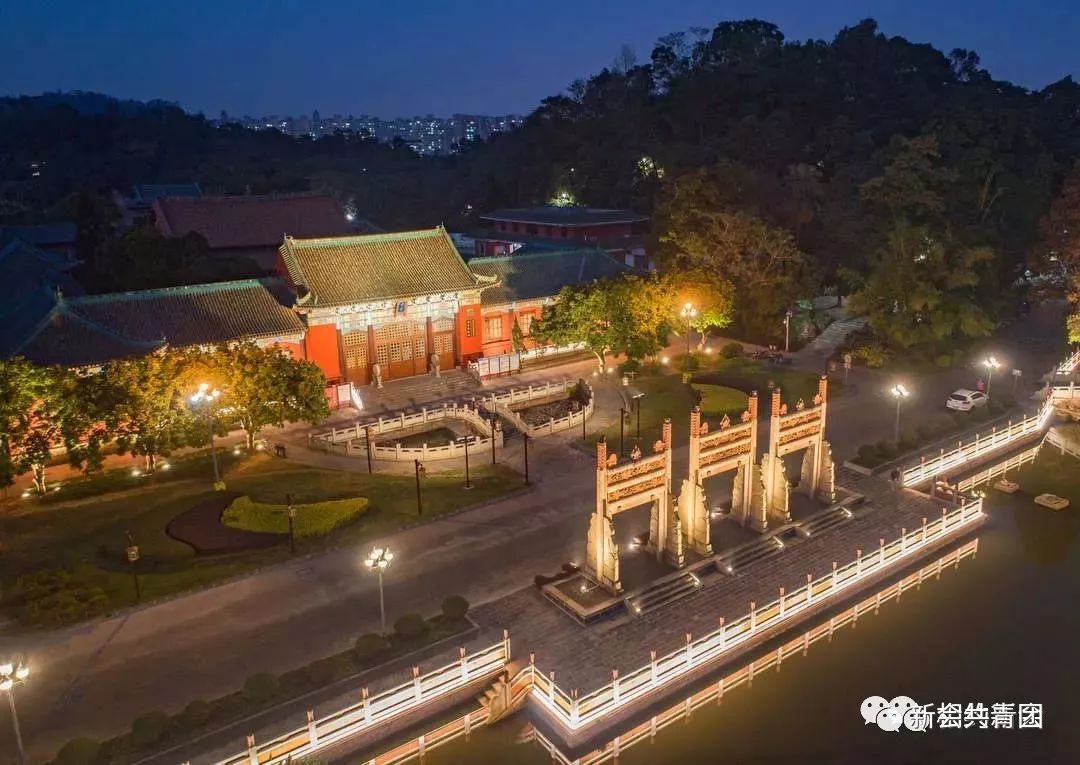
905,712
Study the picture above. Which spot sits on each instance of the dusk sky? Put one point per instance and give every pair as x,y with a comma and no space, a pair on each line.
420,57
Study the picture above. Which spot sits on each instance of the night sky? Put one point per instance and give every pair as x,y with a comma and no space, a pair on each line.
405,57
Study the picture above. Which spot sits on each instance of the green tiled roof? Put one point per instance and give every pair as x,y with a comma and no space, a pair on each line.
359,269
96,328
543,274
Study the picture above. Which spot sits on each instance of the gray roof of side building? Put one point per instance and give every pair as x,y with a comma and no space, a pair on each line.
564,216
543,274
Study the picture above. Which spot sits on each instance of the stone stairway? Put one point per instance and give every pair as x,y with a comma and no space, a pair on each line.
825,344
824,521
413,393
662,593
751,552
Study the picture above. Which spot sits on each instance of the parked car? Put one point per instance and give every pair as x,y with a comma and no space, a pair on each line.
964,400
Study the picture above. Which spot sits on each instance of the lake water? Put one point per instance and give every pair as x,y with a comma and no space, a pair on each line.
1002,627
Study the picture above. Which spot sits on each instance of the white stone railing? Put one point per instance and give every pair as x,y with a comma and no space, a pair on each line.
577,712
985,443
352,440
376,710
515,397
1070,364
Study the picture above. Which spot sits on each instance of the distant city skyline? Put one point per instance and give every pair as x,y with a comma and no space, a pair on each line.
473,57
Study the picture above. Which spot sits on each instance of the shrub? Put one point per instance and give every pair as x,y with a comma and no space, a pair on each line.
944,361
368,646
410,626
908,441
731,350
79,751
147,729
261,687
868,453
455,607
195,715
690,362
887,449
872,356
630,365
925,431
52,597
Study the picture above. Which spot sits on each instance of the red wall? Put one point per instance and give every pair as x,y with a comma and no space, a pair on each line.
496,346
469,348
322,347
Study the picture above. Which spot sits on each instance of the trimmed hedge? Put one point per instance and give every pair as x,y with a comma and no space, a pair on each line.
455,607
731,350
410,626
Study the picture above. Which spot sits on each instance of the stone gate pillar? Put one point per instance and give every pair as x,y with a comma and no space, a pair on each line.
692,508
774,485
601,552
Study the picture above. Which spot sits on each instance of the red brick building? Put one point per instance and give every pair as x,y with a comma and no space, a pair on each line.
387,299
523,284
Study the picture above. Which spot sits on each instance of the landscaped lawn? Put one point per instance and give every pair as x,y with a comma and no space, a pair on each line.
88,536
718,400
311,520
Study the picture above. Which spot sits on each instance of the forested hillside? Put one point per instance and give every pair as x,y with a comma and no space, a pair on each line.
883,167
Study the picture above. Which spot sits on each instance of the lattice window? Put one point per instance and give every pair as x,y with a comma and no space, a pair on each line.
442,325
470,327
396,331
493,330
355,345
525,321
400,351
382,355
444,343
420,348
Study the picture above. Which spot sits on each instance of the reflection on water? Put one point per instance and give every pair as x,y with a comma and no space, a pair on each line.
1001,628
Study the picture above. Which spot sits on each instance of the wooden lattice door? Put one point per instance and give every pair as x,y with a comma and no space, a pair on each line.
442,336
355,347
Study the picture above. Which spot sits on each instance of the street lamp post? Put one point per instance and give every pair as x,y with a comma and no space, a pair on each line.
367,435
637,399
787,330
11,674
624,415
292,518
689,313
492,439
900,393
466,440
132,553
526,440
420,473
204,398
377,562
991,363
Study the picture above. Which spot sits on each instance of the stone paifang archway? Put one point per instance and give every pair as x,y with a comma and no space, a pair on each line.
730,447
789,432
621,487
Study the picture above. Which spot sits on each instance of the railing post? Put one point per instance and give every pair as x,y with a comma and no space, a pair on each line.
367,706
944,513
252,751
903,539
924,530
464,665
881,551
753,616
506,646
832,586
689,650
312,730
809,589
858,562
781,601
615,685
652,667
417,693
575,709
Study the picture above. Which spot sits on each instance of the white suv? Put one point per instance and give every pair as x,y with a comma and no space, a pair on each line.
964,400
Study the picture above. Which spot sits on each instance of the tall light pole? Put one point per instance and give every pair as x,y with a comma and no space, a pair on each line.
12,674
421,471
466,440
991,363
624,417
204,399
378,560
787,330
689,313
900,393
636,397
526,438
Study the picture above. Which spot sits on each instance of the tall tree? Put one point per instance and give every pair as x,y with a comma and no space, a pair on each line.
148,413
631,316
267,386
